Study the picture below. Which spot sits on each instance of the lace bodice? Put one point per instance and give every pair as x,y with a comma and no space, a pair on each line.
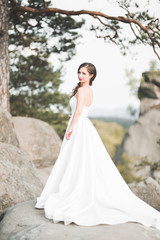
73,102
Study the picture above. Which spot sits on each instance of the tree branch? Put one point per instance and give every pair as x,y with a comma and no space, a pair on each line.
26,42
14,2
45,4
49,11
128,15
109,26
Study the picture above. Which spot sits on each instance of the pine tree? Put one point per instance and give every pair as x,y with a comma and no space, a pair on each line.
34,84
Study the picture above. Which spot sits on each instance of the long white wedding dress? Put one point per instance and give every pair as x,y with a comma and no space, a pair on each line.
85,186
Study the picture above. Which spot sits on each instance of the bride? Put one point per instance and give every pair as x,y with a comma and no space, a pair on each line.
85,186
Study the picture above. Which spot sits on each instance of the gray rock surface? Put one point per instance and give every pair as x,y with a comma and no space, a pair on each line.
18,177
149,91
44,173
140,143
24,222
7,132
156,175
38,139
143,137
147,104
148,190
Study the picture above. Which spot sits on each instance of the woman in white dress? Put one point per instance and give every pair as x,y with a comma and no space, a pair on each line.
85,186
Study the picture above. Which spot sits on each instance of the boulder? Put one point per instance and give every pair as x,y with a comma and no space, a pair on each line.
44,173
23,221
7,132
38,139
18,177
148,190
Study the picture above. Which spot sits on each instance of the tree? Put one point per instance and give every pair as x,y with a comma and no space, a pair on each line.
34,85
54,35
35,93
4,56
146,29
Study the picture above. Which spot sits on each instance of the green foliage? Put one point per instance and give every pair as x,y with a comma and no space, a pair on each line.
45,34
114,30
34,84
132,83
111,134
153,66
125,169
35,92
137,18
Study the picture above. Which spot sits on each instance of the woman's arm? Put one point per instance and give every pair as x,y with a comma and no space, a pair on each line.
78,111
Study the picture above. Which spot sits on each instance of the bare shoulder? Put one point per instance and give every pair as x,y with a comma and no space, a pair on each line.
81,91
88,91
85,93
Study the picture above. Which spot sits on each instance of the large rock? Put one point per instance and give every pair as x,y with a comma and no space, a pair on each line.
7,132
148,190
44,173
143,136
38,139
18,177
140,143
152,77
24,222
149,91
148,103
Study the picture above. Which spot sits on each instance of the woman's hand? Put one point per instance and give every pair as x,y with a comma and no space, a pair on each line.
68,134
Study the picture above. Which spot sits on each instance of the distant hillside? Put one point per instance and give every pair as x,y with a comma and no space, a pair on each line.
125,122
111,134
113,113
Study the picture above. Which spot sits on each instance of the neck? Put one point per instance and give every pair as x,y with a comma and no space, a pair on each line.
84,84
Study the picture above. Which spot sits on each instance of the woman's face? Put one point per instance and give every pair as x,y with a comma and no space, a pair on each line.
84,76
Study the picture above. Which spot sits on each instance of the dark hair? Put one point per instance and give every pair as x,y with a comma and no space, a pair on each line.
91,69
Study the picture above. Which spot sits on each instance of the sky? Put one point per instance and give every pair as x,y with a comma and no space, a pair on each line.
109,87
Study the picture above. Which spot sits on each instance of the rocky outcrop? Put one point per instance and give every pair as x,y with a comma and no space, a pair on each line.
148,190
140,143
24,222
7,132
18,177
143,136
148,103
149,91
38,139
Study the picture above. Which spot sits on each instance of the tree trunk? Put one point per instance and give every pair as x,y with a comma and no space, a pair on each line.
4,56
